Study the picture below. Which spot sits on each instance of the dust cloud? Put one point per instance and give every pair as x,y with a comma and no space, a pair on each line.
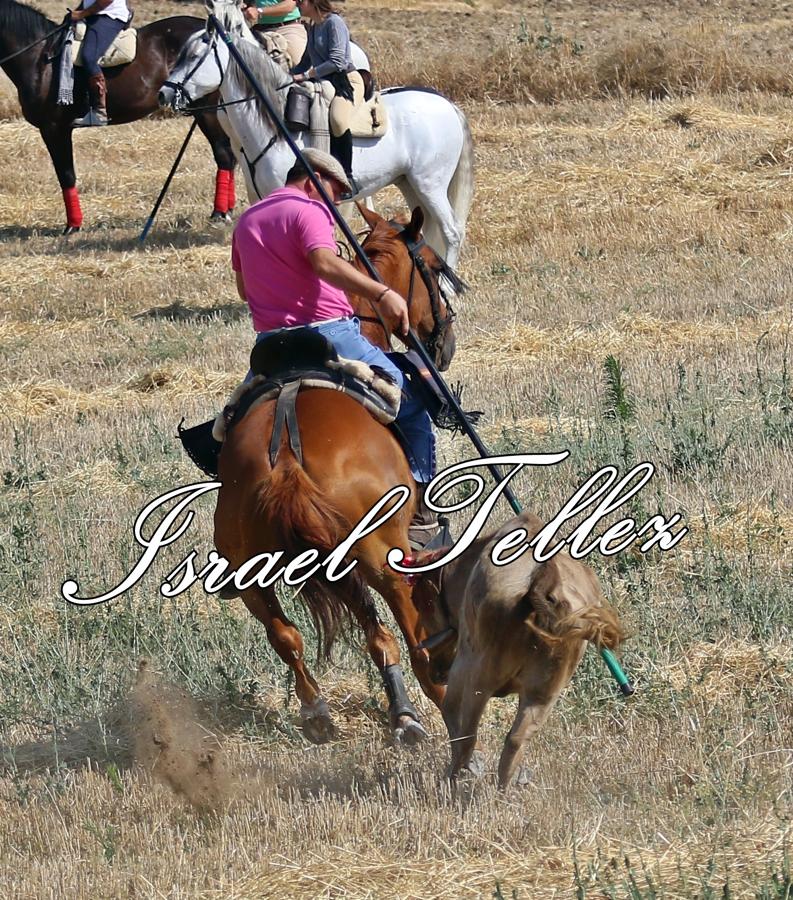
168,740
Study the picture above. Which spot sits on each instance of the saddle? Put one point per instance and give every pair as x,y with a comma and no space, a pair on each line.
119,53
369,119
286,362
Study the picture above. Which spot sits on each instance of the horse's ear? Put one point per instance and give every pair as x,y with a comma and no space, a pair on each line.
369,215
413,229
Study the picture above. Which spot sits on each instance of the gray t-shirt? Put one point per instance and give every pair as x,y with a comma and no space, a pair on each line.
328,48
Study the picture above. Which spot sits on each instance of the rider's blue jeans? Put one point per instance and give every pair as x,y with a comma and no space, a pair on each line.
413,420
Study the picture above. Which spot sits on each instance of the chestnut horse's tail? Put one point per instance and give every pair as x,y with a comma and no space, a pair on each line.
295,506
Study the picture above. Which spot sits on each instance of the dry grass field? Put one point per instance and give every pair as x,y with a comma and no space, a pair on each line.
634,199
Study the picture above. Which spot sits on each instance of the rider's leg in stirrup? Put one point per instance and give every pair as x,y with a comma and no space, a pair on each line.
413,422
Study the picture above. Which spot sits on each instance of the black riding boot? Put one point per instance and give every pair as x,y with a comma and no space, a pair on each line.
427,531
341,149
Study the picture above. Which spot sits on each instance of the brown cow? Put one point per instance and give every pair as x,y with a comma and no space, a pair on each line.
518,629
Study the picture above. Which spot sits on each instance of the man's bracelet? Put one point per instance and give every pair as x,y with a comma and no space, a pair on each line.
382,294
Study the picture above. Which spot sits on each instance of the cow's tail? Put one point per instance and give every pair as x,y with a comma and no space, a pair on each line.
557,626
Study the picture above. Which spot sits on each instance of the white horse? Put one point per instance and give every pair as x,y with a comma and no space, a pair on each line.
427,151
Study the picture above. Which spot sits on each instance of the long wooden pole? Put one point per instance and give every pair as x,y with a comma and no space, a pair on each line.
168,180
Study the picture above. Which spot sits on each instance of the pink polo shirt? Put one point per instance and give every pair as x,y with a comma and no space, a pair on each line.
270,247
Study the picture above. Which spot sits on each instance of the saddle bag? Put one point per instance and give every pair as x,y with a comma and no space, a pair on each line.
369,119
298,109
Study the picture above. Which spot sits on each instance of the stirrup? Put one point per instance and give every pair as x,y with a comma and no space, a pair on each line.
92,119
430,536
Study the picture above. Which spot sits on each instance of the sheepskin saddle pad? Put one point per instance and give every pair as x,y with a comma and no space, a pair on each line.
297,359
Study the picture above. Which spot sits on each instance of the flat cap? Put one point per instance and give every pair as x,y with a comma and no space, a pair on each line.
327,165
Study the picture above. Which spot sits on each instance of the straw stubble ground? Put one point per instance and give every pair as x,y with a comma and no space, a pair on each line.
645,214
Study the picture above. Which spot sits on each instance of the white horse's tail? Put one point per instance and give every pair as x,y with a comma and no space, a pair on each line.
461,187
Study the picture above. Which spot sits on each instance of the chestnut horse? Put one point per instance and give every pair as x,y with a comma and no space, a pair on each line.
350,461
131,93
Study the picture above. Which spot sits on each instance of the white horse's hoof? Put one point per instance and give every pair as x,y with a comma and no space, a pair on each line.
221,218
476,764
525,777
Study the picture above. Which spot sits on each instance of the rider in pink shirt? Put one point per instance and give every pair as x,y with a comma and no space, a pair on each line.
274,238
284,256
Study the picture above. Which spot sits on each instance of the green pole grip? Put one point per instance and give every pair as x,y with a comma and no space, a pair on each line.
616,670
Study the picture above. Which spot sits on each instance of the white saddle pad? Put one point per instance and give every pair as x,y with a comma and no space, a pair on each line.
369,119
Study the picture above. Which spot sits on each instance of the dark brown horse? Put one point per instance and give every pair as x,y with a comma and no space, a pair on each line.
350,461
131,93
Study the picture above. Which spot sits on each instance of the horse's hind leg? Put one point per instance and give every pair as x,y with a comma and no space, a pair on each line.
287,642
441,229
384,650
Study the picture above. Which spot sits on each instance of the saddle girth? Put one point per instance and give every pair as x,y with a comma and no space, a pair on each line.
286,415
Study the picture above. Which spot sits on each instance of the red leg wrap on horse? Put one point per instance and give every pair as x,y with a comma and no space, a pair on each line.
71,200
232,194
222,190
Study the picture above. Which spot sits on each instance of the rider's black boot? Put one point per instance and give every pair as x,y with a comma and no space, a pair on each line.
427,531
341,149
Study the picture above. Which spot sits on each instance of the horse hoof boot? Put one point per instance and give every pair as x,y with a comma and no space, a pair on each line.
409,732
316,722
70,229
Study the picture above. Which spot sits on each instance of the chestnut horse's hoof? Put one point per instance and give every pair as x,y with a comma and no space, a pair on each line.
317,724
409,732
222,218
70,229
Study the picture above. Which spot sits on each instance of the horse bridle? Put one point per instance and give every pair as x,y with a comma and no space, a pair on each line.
211,47
441,324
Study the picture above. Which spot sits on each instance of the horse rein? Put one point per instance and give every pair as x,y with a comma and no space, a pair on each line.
211,47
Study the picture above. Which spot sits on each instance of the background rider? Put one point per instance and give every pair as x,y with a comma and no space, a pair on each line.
328,58
280,17
104,20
